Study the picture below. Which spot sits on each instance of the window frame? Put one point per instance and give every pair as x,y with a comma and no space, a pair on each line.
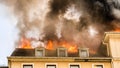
39,49
39,54
46,64
50,65
58,51
74,64
27,64
80,51
97,64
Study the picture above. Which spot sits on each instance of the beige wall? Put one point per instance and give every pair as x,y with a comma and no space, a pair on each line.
112,39
114,44
60,64
116,64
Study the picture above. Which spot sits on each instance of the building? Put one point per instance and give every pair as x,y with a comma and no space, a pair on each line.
3,67
60,58
112,41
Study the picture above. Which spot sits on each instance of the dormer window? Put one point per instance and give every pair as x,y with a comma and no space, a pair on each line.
39,52
83,52
62,52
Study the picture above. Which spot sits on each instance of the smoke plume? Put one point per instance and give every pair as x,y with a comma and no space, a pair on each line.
82,22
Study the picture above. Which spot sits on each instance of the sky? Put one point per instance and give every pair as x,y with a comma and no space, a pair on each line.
8,33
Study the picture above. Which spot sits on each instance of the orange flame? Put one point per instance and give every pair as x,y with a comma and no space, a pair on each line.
70,47
50,45
117,30
25,43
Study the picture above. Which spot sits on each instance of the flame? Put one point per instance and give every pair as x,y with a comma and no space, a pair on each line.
92,51
117,30
50,45
25,43
70,47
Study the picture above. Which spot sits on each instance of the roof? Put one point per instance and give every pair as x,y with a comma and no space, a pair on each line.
53,53
23,52
31,52
110,34
3,66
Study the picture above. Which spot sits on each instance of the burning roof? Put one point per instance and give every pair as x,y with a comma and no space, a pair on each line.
3,66
51,53
64,23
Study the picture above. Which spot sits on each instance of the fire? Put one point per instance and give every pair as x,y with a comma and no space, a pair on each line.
117,30
50,45
92,51
25,43
70,47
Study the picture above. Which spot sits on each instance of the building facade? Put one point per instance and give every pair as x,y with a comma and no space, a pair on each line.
60,58
112,41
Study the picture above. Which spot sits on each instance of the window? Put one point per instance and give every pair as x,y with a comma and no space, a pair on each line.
39,53
98,66
83,52
74,66
27,66
62,52
51,66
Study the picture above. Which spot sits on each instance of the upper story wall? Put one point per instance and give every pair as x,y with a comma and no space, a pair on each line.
19,62
112,40
61,64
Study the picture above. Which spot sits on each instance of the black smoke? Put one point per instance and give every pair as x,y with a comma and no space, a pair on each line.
100,15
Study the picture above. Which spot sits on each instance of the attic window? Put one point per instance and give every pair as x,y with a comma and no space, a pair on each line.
40,52
61,52
83,52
